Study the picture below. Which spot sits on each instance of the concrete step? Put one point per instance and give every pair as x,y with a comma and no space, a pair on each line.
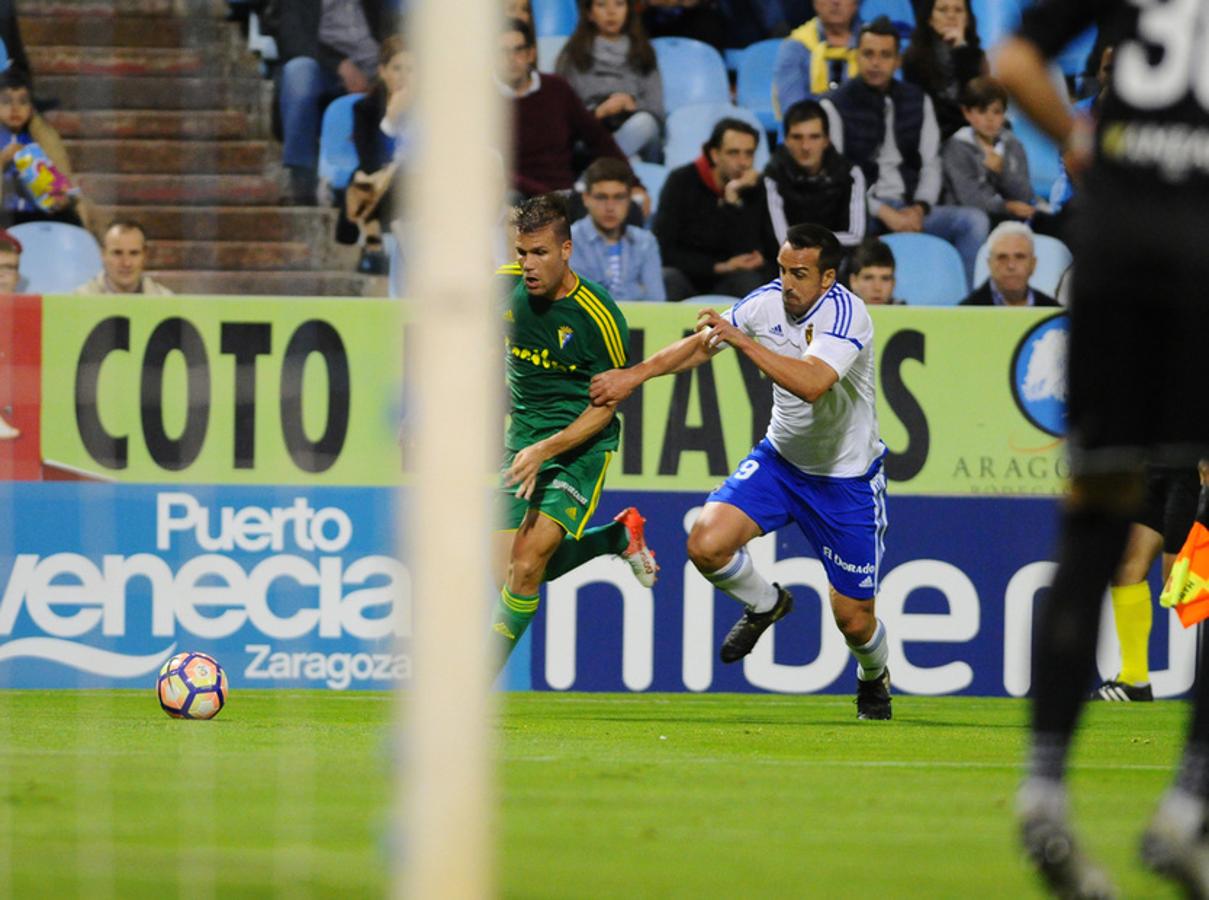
272,284
172,157
151,124
310,225
124,31
110,61
130,92
244,256
56,9
181,190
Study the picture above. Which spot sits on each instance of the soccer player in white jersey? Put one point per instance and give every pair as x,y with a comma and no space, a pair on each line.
819,465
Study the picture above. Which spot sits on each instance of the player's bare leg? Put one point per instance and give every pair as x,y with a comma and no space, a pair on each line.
866,636
717,545
532,546
1095,525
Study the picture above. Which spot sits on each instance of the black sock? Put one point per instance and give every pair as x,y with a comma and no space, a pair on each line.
1064,635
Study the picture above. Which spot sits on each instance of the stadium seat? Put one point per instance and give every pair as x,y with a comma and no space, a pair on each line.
263,45
693,72
1044,158
652,176
996,19
56,258
927,269
900,12
554,17
1053,258
753,88
1073,58
548,48
337,154
689,127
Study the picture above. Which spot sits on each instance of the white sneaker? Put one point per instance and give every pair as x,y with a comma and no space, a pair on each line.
8,432
640,557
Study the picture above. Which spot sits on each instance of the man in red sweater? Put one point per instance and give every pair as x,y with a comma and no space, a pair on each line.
548,118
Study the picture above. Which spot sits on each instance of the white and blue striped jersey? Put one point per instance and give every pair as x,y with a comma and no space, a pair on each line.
836,435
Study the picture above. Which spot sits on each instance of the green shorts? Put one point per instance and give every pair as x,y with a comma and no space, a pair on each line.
566,492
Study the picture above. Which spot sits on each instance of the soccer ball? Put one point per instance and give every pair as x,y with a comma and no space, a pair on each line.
192,686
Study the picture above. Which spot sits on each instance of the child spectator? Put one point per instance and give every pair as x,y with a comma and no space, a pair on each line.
624,258
518,9
610,64
984,163
871,273
379,134
32,152
943,56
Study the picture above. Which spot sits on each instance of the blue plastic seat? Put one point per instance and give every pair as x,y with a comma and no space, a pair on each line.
996,19
652,176
1044,157
900,12
552,17
1073,58
927,269
692,72
56,258
1053,258
548,48
689,127
337,153
753,88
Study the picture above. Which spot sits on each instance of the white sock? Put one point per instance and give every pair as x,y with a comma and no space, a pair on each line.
739,579
871,657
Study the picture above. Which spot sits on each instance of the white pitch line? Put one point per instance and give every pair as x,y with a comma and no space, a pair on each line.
844,764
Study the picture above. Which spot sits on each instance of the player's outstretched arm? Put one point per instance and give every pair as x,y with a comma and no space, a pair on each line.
527,462
611,387
808,378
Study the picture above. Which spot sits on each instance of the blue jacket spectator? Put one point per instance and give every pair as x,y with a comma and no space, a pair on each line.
818,56
624,258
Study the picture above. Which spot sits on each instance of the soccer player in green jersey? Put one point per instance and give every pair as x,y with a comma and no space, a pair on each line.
560,330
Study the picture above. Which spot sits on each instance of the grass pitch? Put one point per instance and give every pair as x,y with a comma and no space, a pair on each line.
287,793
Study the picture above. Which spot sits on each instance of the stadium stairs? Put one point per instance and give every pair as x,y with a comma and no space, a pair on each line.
167,120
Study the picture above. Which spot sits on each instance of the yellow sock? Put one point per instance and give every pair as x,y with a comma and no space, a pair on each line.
1132,613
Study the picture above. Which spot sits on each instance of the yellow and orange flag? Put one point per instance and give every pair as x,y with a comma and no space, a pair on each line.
1187,587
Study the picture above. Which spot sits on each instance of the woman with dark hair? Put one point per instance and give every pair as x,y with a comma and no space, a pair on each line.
610,64
945,53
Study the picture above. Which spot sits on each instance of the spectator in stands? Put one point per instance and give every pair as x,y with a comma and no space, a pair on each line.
27,196
808,181
1012,263
984,163
327,48
548,119
624,258
712,223
123,254
519,9
10,34
897,146
944,54
11,281
701,20
379,134
610,63
871,273
818,56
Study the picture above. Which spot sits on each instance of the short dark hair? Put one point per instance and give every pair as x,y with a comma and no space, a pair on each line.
724,125
545,210
882,27
871,252
981,92
608,168
15,78
809,236
525,29
806,111
9,244
123,224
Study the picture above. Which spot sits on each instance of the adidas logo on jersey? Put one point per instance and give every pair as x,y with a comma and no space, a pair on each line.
867,582
776,329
